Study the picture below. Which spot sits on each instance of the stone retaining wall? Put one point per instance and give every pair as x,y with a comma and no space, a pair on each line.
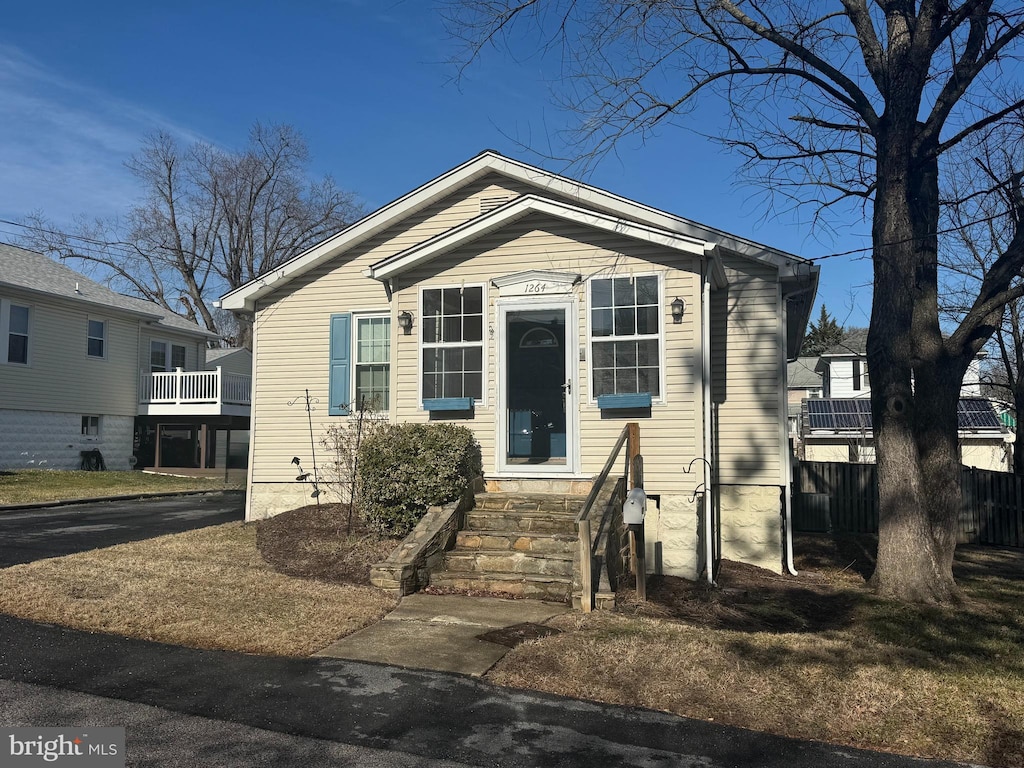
408,567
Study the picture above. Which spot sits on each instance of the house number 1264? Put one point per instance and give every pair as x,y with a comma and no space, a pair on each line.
536,287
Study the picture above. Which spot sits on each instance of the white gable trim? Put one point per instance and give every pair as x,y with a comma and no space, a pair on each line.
245,297
517,209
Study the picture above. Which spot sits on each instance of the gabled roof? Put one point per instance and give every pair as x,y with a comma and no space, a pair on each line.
517,209
487,162
973,414
219,353
800,373
854,344
36,273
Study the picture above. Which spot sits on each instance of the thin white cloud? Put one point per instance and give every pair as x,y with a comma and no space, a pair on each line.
63,144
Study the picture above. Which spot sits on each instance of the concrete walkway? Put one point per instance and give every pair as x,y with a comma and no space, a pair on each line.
449,633
431,714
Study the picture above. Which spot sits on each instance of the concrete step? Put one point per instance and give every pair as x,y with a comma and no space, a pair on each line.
521,522
548,564
518,584
516,541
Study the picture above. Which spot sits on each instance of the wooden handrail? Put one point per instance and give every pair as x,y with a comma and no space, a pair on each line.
599,482
630,436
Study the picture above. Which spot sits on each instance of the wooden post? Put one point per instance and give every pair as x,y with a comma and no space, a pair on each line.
586,566
202,438
634,451
227,452
637,537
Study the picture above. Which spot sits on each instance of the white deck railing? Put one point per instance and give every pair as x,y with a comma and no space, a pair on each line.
191,387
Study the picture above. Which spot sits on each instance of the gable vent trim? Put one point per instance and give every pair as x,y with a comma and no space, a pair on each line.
490,202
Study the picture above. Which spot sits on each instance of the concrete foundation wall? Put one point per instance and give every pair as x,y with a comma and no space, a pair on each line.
675,529
269,499
52,440
752,525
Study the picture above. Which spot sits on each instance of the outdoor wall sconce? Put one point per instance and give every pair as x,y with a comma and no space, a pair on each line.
678,305
405,321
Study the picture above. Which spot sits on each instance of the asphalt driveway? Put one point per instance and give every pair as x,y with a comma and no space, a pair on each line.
35,534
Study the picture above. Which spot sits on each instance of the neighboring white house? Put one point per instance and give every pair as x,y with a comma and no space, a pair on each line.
83,368
544,314
844,367
838,426
802,381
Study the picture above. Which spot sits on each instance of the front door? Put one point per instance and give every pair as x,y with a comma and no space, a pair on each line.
538,401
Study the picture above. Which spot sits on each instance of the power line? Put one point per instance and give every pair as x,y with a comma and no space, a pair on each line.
84,238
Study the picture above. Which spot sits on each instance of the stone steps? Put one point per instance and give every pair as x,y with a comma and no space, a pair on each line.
505,541
533,586
549,564
519,522
528,503
520,544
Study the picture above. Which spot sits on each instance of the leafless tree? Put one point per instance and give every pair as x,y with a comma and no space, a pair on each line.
210,221
830,102
981,221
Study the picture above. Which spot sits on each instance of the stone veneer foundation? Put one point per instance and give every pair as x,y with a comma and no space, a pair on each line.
751,525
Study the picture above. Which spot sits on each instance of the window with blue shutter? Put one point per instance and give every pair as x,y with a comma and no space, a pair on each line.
341,364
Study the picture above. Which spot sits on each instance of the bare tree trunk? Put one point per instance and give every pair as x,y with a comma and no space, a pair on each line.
914,388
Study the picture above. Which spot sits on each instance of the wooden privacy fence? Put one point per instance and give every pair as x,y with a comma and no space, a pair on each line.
836,497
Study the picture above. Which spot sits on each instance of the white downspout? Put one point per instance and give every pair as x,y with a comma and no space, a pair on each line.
249,473
786,456
705,343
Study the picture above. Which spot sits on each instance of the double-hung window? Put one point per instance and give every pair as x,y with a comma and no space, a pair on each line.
164,357
17,334
625,335
452,342
97,340
373,362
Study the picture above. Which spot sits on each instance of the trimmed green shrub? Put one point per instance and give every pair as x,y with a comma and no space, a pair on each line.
406,468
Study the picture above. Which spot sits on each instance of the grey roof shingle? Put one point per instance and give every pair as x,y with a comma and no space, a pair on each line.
801,374
855,342
33,271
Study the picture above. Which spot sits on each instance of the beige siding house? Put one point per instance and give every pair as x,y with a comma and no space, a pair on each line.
85,369
545,314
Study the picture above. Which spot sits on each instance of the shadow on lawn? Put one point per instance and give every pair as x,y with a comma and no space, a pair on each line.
747,599
831,594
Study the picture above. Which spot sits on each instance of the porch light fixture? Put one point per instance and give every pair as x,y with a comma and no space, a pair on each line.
405,321
678,305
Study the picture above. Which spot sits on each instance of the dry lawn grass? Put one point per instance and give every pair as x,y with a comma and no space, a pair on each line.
30,486
207,588
814,657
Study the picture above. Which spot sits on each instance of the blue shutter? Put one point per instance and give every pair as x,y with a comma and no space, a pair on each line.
341,365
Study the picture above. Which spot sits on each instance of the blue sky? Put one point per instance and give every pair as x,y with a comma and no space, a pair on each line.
365,81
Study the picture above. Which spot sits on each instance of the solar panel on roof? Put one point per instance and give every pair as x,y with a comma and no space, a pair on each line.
844,415
838,414
976,413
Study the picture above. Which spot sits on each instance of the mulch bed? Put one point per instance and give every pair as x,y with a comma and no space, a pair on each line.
750,599
315,542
